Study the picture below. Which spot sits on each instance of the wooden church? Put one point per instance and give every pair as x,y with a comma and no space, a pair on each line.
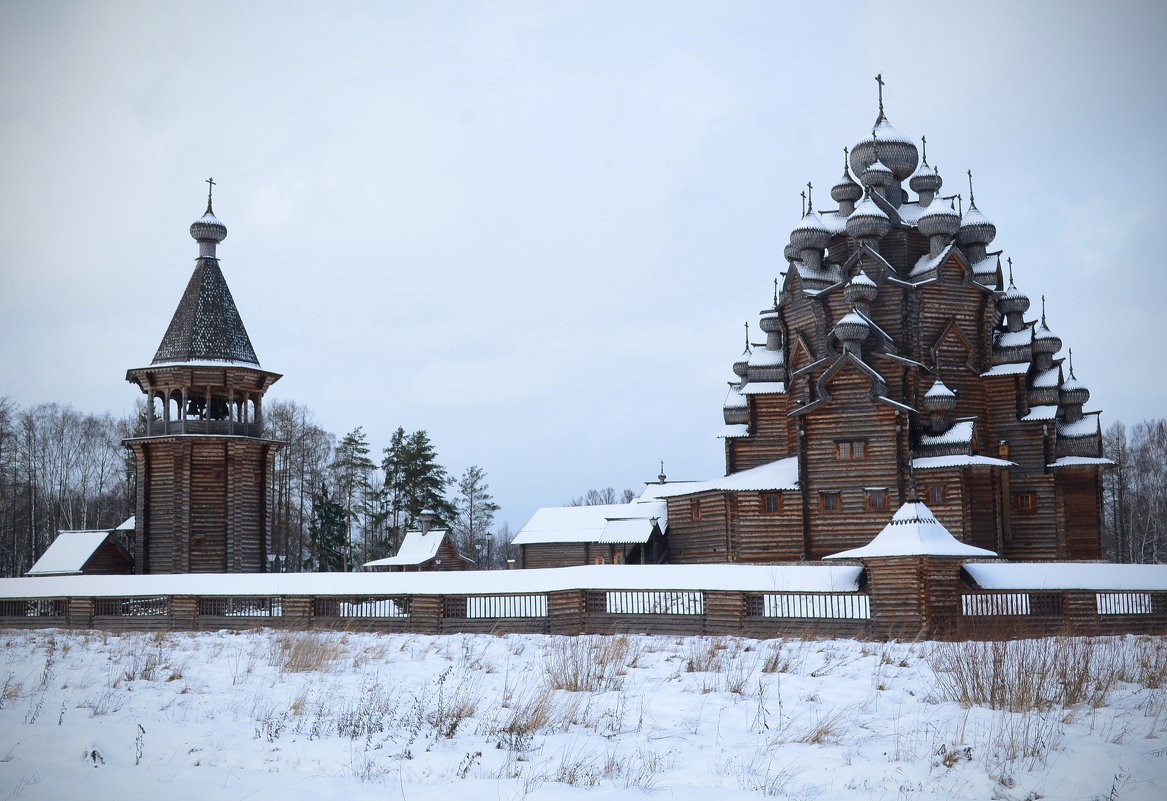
204,466
896,347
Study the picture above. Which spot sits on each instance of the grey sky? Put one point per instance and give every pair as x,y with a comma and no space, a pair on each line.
535,229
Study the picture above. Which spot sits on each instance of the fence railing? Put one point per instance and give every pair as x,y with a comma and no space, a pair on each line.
241,606
830,606
647,602
34,607
133,607
361,608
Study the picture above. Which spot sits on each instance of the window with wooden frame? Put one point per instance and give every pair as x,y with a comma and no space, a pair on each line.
694,510
196,541
829,501
1024,502
771,503
876,500
936,495
847,450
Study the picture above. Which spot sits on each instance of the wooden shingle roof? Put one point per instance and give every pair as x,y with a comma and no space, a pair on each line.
206,325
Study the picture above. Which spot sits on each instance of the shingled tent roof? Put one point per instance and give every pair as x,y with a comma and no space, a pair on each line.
206,325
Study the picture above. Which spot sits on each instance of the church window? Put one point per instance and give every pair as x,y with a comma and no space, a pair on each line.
851,449
771,503
876,500
935,495
829,501
695,510
1024,501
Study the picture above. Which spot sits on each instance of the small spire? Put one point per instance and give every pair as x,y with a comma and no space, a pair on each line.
879,80
1043,325
1071,363
809,197
210,187
775,293
748,333
846,153
1010,260
803,196
972,201
662,476
924,142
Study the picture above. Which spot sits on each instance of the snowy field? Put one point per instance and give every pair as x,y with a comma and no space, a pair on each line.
274,715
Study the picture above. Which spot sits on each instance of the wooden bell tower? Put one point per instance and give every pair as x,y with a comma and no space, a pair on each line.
204,466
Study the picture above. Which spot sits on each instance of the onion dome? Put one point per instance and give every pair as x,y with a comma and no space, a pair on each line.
975,228
940,219
743,362
878,174
868,220
1012,300
208,230
846,191
771,321
1073,392
789,253
1044,340
810,233
896,151
939,398
926,180
852,327
860,289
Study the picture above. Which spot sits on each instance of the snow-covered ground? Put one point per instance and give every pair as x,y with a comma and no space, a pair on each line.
275,715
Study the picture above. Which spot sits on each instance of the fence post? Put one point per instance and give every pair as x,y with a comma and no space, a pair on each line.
81,613
566,611
425,613
896,588
297,611
725,613
184,613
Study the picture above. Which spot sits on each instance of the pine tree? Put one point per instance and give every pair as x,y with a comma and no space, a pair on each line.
476,508
351,466
327,533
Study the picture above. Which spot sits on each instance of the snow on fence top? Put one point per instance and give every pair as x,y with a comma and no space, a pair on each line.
1067,576
732,578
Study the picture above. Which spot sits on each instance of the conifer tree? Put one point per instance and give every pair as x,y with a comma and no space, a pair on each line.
476,508
351,466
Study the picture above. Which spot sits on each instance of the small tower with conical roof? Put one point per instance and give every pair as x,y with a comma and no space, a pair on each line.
204,466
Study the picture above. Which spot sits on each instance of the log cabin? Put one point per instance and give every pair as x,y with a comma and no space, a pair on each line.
203,464
424,549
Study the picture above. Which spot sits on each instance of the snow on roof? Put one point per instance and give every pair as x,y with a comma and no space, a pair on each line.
1041,413
1081,461
734,399
764,388
958,460
68,553
1086,427
590,523
1067,576
745,578
1047,378
960,433
927,264
128,524
734,431
973,216
913,531
1016,368
834,222
653,490
779,475
415,549
939,390
764,357
911,212
1013,339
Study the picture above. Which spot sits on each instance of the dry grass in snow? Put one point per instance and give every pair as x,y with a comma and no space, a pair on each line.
290,715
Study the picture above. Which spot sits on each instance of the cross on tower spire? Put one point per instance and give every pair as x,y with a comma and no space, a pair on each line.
1010,260
924,142
879,80
972,201
775,293
210,188
803,196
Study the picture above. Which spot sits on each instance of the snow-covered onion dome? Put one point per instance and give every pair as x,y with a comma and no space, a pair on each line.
1045,340
846,192
939,398
789,253
926,183
939,223
208,231
742,364
860,291
868,221
896,151
851,330
1013,301
976,231
879,176
734,411
810,233
1072,395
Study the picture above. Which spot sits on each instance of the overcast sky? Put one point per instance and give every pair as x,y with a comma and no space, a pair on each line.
535,229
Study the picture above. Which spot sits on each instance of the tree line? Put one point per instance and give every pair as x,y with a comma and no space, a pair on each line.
333,507
337,504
